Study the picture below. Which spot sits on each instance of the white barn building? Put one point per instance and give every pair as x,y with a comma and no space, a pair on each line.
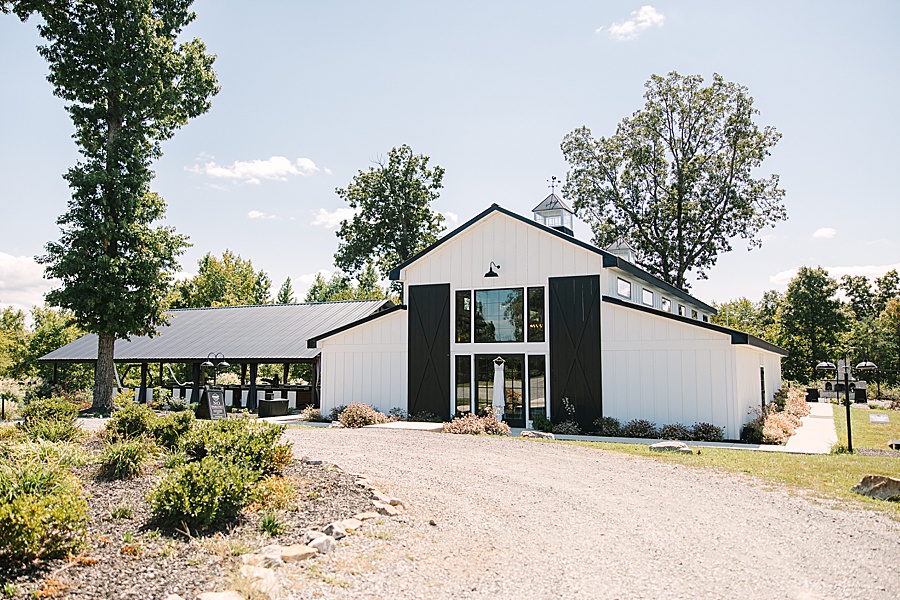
571,324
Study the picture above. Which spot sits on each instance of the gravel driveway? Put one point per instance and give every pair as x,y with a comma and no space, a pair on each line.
524,519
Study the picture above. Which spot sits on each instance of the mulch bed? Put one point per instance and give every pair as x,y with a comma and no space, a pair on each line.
127,557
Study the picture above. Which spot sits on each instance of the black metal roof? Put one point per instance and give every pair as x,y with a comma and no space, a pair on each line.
609,259
264,333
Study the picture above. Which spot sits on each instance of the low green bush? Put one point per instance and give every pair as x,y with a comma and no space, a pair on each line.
676,431
251,443
170,429
639,428
425,416
43,512
202,494
608,426
64,455
131,420
541,423
336,412
707,432
567,427
53,419
125,459
359,415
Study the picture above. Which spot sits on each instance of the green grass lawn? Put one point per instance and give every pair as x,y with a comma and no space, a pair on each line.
828,476
865,433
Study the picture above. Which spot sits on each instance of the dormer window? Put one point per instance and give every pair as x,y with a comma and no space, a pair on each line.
623,288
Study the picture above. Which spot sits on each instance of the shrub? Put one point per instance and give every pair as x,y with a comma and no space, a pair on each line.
125,459
311,413
52,419
359,415
170,429
474,425
11,433
336,412
608,426
639,428
542,423
270,523
250,443
567,428
795,402
274,492
201,494
130,421
675,431
777,428
58,454
425,417
752,432
707,432
397,414
43,512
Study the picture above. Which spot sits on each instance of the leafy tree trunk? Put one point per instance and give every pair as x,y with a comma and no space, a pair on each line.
104,373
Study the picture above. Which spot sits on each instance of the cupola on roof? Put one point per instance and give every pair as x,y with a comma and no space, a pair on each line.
553,212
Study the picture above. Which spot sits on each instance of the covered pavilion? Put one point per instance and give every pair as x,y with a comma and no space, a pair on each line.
241,335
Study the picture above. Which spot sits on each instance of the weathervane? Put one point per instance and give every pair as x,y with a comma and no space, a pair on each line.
553,181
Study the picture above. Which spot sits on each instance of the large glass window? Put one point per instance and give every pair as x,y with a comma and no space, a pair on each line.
535,314
463,384
463,316
537,386
484,382
499,315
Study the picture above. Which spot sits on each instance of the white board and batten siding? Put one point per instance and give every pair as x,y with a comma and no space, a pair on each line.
367,363
526,255
666,371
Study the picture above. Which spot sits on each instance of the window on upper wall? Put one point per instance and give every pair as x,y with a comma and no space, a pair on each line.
693,314
535,314
500,315
623,287
682,311
666,304
463,316
647,297
705,319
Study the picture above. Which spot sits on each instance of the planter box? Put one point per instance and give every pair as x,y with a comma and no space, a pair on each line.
273,408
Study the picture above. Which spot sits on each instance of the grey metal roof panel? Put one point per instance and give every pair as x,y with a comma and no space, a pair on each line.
264,333
552,202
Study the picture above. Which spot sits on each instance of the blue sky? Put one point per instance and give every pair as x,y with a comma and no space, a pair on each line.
313,92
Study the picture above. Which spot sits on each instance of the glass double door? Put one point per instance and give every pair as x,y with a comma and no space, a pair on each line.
521,379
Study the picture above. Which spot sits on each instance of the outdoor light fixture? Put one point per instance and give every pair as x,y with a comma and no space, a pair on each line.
830,366
493,273
209,363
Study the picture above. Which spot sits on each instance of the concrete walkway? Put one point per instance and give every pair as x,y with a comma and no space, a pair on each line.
817,435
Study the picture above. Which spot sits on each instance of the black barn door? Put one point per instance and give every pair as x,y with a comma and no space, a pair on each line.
575,349
429,349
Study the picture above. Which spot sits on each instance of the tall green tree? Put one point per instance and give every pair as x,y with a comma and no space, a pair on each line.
129,84
54,329
887,288
676,179
858,290
229,281
341,287
393,219
810,323
740,314
286,293
13,343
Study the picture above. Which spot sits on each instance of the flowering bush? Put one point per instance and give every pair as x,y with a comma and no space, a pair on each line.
311,413
359,415
792,400
473,425
566,428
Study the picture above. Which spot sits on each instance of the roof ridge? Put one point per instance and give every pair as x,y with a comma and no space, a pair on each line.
186,309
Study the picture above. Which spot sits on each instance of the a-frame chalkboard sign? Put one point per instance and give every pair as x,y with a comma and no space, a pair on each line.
212,403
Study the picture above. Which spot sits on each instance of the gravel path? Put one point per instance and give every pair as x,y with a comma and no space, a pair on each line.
517,518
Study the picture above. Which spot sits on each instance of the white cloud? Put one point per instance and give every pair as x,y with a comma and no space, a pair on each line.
870,271
22,283
825,233
331,220
258,214
452,218
276,168
643,18
307,279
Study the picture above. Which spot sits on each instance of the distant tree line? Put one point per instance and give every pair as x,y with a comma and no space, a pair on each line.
811,322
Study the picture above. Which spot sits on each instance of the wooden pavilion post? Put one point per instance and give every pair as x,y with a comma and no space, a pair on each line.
195,390
284,380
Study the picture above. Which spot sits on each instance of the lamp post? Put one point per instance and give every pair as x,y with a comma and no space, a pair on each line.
209,363
830,366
